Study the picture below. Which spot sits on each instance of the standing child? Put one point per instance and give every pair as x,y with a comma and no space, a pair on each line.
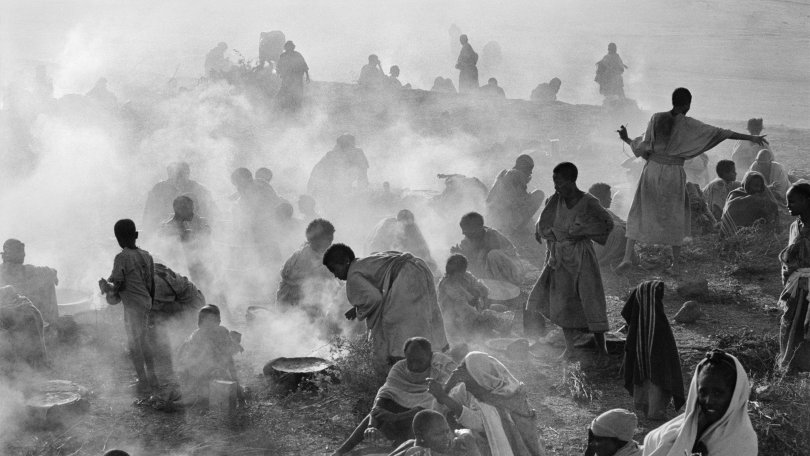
132,282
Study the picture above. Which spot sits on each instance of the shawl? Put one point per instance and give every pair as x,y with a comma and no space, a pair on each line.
650,351
509,422
731,435
409,389
593,217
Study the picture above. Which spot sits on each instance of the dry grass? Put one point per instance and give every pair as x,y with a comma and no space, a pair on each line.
576,384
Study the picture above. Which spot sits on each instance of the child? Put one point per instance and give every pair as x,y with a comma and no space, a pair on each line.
207,355
132,283
434,438
463,300
611,434
716,192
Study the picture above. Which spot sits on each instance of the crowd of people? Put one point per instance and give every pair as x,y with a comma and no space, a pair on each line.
438,398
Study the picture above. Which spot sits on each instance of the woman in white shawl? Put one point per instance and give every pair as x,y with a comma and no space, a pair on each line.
716,420
775,175
483,396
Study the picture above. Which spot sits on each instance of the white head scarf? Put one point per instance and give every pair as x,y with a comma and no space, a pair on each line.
490,374
731,435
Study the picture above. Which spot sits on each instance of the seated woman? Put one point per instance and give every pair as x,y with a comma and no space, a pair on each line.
483,396
463,301
749,204
776,177
794,340
207,355
402,395
716,420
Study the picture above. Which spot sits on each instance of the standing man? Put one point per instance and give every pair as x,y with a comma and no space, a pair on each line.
569,292
291,68
660,210
468,71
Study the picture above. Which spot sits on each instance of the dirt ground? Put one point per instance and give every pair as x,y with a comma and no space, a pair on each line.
742,297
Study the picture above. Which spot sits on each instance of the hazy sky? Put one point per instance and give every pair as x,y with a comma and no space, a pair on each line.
740,57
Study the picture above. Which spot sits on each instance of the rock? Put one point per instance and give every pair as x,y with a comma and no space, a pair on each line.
697,287
689,312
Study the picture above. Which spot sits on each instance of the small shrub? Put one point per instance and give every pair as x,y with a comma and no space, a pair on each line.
576,384
357,372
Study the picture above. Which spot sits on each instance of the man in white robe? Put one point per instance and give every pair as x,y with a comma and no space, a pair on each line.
660,210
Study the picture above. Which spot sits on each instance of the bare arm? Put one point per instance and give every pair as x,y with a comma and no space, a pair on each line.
757,139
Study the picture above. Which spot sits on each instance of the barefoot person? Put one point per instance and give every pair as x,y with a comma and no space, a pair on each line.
569,292
660,213
794,342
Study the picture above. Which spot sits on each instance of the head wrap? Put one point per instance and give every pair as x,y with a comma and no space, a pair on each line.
616,423
490,374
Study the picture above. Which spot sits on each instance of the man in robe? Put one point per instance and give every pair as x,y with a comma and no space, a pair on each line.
402,234
372,76
37,283
609,73
489,253
660,211
160,200
492,89
744,152
569,291
716,192
613,250
546,92
511,208
466,64
343,170
216,64
394,293
291,68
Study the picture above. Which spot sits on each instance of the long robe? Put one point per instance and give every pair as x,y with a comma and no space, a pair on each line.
660,212
510,206
794,339
494,257
395,295
731,435
468,71
291,68
609,75
569,291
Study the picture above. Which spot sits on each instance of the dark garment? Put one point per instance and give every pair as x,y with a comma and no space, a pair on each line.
650,352
468,71
21,330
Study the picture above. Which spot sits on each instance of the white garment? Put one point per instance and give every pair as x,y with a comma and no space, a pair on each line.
731,435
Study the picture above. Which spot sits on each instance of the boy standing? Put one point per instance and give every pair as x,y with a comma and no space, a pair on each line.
132,282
